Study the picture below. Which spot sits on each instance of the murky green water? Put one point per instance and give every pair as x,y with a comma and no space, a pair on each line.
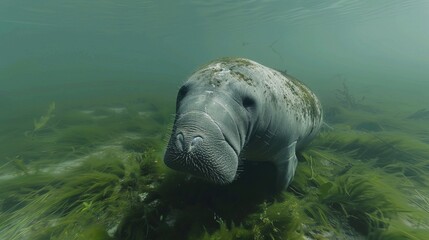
87,94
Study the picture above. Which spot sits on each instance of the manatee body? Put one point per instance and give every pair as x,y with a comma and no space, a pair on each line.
235,110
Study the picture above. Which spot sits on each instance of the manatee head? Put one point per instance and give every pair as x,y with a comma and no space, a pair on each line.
211,127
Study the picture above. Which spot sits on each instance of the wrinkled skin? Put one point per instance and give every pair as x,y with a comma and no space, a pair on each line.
237,109
208,134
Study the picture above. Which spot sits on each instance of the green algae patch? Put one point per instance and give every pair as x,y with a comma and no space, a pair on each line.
307,96
68,205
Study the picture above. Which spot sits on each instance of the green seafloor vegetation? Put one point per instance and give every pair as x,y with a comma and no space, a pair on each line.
96,172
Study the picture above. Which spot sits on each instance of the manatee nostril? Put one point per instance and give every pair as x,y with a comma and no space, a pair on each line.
196,140
179,141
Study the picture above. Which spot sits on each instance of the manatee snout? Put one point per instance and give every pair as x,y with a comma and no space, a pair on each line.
197,146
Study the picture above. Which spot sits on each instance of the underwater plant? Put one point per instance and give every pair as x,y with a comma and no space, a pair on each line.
344,96
40,123
68,205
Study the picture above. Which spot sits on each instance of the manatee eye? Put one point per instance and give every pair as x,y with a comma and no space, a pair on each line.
182,92
248,102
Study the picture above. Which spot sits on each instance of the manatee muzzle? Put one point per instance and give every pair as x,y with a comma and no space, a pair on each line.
198,146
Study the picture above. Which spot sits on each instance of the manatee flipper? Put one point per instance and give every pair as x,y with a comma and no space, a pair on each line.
286,162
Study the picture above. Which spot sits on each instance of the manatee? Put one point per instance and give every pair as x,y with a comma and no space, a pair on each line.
235,110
